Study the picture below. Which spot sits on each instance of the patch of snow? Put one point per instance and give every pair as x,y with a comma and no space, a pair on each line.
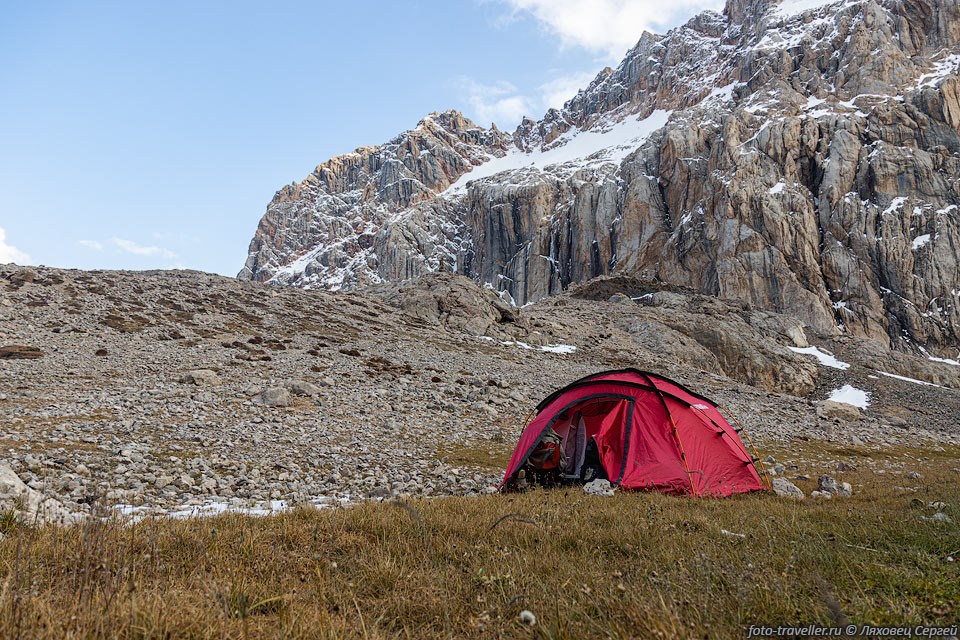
906,379
777,188
789,8
941,69
559,348
721,94
919,241
850,395
955,363
895,205
552,348
600,144
826,359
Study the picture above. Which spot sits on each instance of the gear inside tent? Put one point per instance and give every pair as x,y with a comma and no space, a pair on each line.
638,430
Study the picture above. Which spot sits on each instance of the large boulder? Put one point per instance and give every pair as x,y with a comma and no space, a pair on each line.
275,397
454,302
28,503
839,410
302,388
742,352
19,352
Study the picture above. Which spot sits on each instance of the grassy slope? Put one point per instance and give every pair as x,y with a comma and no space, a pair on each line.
633,566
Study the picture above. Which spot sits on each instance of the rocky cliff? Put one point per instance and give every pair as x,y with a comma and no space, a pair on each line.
802,157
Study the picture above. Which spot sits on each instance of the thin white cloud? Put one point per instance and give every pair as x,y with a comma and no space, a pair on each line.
90,244
9,253
132,247
607,27
559,90
500,102
506,105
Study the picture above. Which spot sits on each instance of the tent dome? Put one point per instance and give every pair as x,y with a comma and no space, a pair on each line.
650,432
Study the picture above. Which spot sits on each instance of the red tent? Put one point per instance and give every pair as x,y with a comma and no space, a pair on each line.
650,432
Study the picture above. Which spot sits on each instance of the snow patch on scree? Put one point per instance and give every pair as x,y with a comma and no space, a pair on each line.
550,348
906,379
559,348
851,395
826,359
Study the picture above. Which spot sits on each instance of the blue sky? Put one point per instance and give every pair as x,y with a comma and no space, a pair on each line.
138,135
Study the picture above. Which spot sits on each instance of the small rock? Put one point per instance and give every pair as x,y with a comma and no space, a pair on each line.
939,516
827,484
785,488
201,377
913,475
823,495
275,397
527,618
598,488
302,388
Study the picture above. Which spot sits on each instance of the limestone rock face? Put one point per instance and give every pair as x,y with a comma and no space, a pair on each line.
805,162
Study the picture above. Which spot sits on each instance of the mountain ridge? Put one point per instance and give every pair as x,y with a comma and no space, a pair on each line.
804,159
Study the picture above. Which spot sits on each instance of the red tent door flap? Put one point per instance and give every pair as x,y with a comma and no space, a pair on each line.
606,420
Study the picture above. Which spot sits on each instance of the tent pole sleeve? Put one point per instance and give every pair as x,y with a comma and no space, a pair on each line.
526,421
762,469
676,436
683,456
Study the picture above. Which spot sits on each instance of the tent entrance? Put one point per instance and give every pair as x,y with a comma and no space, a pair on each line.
594,431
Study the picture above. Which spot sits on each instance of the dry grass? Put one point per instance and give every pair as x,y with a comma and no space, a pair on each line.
490,456
633,566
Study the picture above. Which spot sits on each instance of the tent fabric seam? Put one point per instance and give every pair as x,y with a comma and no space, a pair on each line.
592,378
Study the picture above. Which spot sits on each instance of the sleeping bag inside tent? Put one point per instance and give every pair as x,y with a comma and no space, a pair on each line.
640,431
